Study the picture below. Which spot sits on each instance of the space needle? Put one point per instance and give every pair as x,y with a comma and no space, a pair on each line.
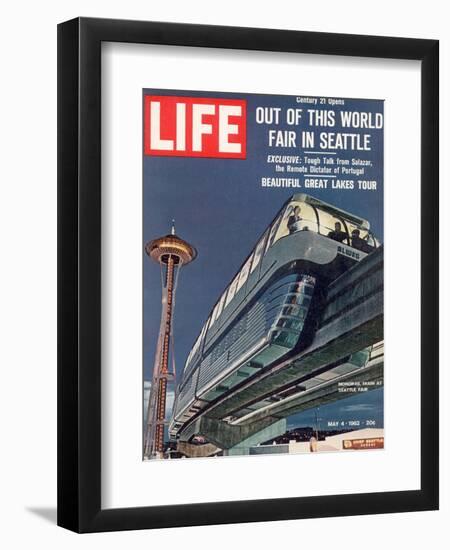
171,252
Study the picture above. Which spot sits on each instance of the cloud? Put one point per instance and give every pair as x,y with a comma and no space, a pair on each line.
359,408
169,399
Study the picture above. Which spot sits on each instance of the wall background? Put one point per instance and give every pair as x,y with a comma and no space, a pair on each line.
28,272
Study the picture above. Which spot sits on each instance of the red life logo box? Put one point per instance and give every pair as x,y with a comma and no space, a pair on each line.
194,127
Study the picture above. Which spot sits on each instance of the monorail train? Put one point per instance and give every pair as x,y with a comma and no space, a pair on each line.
273,304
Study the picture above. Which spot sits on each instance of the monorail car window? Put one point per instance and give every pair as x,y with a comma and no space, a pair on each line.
371,240
290,323
296,309
307,220
367,242
221,304
258,252
205,327
204,330
286,338
244,272
196,346
232,290
192,353
363,233
328,224
218,309
273,231
215,313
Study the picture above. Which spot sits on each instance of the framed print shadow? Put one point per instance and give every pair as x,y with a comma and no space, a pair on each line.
247,275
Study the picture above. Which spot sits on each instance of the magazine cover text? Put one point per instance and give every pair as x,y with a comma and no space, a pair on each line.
262,274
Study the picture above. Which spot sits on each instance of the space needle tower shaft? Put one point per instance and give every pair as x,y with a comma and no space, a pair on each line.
171,253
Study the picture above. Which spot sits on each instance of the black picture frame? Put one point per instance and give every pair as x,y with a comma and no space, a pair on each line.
79,274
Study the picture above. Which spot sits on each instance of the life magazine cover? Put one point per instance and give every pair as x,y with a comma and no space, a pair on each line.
263,274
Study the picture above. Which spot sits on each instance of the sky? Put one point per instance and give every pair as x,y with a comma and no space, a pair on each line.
220,208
